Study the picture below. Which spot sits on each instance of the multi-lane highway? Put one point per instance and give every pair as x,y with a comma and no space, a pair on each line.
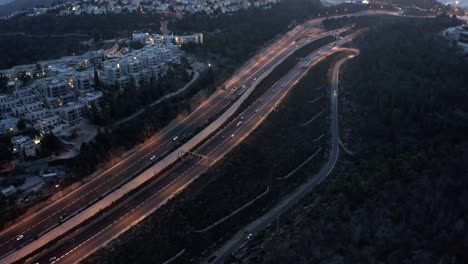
32,226
35,225
243,237
86,240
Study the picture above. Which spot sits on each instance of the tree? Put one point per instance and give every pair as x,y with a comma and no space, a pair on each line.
21,124
24,77
97,81
3,83
51,144
5,153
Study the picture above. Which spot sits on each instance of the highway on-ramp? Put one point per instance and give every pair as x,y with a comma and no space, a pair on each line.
243,237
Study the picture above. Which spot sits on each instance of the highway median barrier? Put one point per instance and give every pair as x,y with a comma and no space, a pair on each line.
98,206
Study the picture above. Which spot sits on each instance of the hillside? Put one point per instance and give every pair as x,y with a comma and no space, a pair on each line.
18,5
403,198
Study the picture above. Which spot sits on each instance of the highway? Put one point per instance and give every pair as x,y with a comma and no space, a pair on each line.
240,239
34,225
105,228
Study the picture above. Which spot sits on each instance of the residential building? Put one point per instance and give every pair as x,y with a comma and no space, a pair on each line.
24,146
82,84
91,100
8,125
140,65
51,124
37,114
7,103
72,112
8,191
20,110
113,76
56,91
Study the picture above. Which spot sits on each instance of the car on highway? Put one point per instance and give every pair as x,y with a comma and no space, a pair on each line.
334,93
255,78
239,123
256,110
175,138
249,236
53,259
242,118
274,91
243,86
232,135
18,238
153,157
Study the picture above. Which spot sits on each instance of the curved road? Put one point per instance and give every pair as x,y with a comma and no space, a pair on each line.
34,226
37,224
99,232
240,239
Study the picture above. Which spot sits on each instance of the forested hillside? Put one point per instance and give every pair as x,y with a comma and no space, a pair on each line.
403,196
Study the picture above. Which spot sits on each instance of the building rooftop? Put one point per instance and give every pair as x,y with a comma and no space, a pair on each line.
92,96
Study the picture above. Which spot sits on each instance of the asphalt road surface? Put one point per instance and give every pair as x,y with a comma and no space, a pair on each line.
243,237
88,239
32,226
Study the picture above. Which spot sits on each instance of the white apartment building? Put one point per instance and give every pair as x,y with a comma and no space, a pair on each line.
131,65
56,91
72,112
7,103
8,125
196,38
141,37
24,145
91,100
82,84
58,66
37,114
20,110
26,95
140,65
51,123
113,76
